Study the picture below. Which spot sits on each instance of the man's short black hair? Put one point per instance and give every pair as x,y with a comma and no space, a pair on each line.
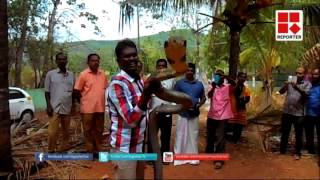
193,66
60,53
219,71
241,73
92,54
161,60
121,45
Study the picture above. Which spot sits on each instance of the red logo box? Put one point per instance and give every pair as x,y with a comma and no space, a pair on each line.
289,25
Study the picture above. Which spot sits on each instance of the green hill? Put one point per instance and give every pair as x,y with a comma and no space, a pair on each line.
86,47
151,47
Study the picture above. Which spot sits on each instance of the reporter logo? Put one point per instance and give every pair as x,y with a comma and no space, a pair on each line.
289,25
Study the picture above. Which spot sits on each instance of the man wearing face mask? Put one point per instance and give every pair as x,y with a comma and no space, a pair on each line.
219,113
293,111
188,121
58,92
92,84
313,112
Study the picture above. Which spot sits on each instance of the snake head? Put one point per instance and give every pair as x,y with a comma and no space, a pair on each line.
175,49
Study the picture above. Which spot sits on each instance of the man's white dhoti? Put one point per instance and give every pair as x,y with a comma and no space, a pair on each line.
186,138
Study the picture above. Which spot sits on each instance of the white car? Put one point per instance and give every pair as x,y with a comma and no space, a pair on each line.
21,104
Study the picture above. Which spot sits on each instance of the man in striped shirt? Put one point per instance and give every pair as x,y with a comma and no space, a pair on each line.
127,101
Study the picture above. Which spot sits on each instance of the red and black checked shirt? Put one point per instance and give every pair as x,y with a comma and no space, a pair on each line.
123,96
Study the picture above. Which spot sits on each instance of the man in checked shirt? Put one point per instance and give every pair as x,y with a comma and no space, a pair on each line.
127,101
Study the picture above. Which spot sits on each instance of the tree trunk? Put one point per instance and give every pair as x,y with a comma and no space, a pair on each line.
6,164
12,56
39,78
49,52
21,45
234,52
197,35
35,76
42,79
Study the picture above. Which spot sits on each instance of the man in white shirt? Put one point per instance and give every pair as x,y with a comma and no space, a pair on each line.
165,119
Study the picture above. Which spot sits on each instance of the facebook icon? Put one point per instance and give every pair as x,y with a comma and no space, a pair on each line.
40,156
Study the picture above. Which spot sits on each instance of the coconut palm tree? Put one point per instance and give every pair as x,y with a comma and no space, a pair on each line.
236,15
259,42
262,54
6,165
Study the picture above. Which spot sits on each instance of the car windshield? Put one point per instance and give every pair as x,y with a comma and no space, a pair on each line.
15,94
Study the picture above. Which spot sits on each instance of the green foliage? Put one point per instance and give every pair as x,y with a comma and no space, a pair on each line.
28,77
258,43
151,51
33,10
247,58
215,51
77,63
78,60
108,61
37,20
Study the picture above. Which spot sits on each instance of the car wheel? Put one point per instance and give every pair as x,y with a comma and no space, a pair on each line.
26,116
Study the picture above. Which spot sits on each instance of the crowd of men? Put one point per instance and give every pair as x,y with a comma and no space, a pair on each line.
302,110
130,97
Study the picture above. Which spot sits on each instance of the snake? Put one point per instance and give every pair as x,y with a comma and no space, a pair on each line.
182,101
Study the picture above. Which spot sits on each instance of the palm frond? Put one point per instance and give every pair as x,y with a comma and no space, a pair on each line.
312,24
311,59
274,58
183,5
158,7
247,56
311,14
126,14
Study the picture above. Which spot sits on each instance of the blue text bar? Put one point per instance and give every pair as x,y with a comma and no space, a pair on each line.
105,156
63,156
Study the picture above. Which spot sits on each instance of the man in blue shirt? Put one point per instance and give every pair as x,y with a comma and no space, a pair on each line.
188,121
313,112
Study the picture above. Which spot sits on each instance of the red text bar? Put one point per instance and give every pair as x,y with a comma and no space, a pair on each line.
208,157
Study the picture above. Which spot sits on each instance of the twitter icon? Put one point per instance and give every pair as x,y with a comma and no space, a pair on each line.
103,156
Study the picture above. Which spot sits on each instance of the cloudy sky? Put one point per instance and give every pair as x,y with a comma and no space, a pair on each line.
108,12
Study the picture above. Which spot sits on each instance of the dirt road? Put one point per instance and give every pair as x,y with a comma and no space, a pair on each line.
248,161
